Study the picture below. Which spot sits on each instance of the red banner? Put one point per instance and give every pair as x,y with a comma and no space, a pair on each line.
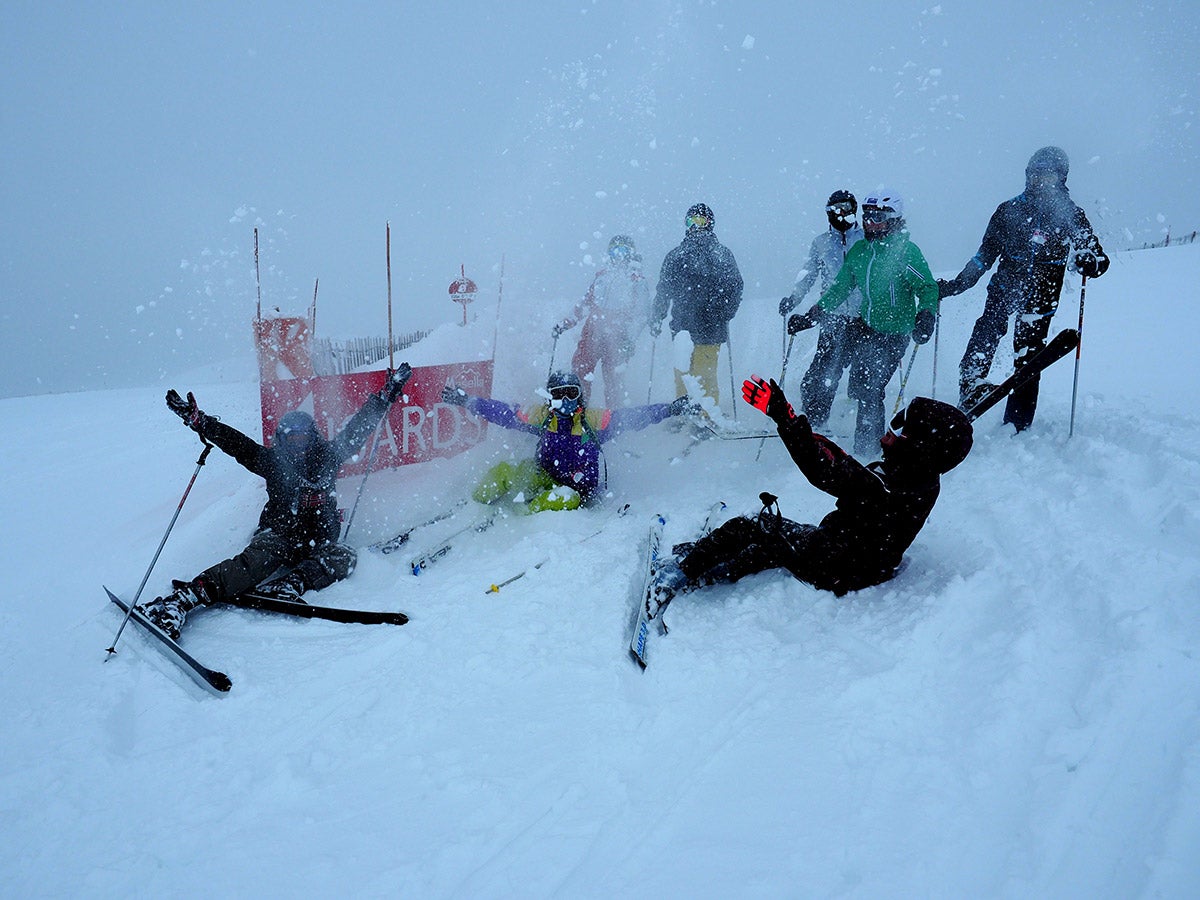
418,427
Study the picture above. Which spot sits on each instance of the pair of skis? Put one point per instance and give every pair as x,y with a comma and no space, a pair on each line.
426,558
219,682
646,623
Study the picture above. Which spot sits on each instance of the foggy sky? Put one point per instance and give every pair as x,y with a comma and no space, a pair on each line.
142,144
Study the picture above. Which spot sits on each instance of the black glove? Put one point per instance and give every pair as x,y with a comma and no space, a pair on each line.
683,406
799,323
185,409
394,386
768,398
945,289
923,328
787,304
1089,265
558,329
454,395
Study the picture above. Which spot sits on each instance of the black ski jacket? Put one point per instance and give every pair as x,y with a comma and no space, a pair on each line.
301,493
1032,235
702,285
880,509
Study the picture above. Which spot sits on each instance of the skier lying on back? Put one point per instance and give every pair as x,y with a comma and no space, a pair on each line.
299,526
565,472
880,507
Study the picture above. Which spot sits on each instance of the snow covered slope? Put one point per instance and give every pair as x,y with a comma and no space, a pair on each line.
1016,715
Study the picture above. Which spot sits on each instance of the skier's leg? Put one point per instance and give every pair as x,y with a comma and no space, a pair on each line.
328,564
820,382
586,359
738,548
1029,336
704,368
265,553
880,357
989,328
498,482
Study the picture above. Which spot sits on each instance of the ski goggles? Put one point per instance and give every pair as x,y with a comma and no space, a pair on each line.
565,392
877,215
842,210
697,220
620,251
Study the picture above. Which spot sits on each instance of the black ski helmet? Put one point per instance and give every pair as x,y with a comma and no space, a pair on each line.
698,212
296,431
560,383
1050,160
933,435
836,210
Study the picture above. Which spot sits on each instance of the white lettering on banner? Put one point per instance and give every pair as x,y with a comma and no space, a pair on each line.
387,440
438,414
413,416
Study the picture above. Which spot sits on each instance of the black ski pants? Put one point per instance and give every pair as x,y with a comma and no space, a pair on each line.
820,383
266,553
742,546
1033,301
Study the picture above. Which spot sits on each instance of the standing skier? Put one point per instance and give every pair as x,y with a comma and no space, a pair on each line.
880,508
565,471
899,299
614,310
702,286
825,258
299,525
1033,236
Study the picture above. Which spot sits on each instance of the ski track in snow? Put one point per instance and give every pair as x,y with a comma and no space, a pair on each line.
1014,715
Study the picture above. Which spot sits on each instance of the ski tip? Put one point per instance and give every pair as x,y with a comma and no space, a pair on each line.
220,682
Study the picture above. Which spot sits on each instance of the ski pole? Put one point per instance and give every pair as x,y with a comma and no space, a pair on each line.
937,329
363,483
787,354
133,603
903,381
1078,351
553,349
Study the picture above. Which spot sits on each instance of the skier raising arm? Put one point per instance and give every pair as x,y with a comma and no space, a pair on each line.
880,507
299,526
566,470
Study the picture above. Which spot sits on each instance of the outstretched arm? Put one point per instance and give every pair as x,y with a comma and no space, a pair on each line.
247,451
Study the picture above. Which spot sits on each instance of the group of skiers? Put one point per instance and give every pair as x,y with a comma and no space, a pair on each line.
877,293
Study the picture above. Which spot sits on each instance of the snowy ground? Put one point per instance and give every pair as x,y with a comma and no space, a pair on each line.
1016,715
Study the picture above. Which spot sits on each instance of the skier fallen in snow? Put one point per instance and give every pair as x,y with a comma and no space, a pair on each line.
299,526
566,471
880,507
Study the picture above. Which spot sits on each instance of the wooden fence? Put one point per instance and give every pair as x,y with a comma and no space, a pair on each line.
332,357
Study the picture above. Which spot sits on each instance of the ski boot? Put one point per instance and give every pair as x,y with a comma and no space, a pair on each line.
668,580
290,587
170,612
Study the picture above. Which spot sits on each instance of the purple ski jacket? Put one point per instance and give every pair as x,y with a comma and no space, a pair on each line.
568,449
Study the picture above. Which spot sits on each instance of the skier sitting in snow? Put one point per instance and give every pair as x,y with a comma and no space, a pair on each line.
565,472
880,507
299,526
